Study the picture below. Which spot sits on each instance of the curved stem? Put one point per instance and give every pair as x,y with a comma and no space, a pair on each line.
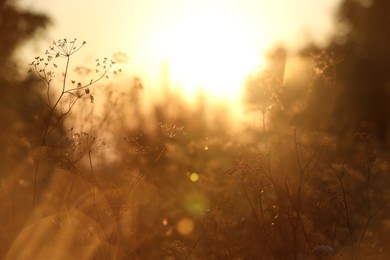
93,188
47,132
298,203
142,175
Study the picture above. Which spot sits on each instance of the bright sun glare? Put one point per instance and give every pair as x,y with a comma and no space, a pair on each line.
209,50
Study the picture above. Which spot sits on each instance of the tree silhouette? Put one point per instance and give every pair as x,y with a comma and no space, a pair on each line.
17,26
21,102
364,73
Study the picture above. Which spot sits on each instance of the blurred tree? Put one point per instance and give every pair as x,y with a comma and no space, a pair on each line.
21,113
363,72
21,103
263,89
16,26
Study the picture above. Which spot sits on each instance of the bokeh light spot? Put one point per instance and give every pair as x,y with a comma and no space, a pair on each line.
165,222
195,203
194,177
185,226
121,57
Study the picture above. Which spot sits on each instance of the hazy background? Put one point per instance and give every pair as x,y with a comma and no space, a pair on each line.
205,44
284,160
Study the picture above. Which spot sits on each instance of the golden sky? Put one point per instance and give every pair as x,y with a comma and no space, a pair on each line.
209,45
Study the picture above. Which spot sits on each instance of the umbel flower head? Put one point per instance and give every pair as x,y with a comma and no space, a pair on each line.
44,65
171,130
63,47
46,69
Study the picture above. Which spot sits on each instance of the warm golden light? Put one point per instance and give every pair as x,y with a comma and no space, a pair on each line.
210,50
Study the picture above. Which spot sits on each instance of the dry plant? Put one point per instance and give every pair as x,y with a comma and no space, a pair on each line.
61,99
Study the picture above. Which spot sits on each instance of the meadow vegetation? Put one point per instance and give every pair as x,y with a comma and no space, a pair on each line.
187,188
178,183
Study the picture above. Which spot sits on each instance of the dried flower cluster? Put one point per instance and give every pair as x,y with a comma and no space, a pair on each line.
46,69
171,130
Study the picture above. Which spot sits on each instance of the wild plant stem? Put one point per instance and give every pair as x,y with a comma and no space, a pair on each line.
339,177
141,176
346,208
94,187
254,213
195,244
47,132
369,217
298,203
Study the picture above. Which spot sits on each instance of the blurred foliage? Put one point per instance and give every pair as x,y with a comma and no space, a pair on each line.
357,62
22,115
16,26
21,107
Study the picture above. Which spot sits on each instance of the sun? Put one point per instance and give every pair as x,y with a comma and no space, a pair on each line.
209,50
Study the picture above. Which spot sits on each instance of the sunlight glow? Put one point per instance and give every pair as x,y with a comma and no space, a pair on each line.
207,45
210,50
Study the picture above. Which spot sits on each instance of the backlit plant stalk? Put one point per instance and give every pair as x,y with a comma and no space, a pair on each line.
44,67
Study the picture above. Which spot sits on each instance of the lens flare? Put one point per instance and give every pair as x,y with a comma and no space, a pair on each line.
185,226
195,202
194,177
